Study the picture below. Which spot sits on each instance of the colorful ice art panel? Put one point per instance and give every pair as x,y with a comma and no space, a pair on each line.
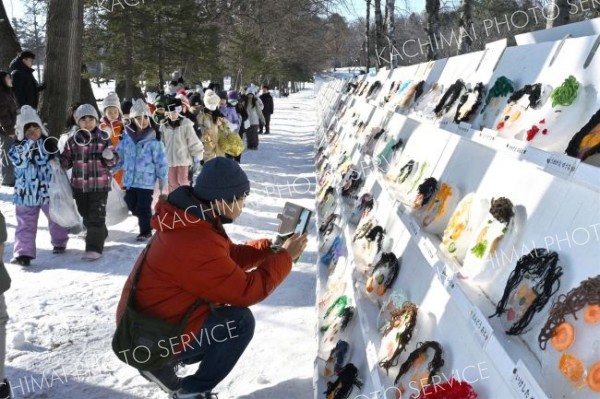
520,113
437,213
412,93
347,379
496,233
339,356
396,334
418,370
449,99
463,224
383,274
425,192
469,103
428,102
551,131
495,101
585,144
368,243
335,322
573,331
530,286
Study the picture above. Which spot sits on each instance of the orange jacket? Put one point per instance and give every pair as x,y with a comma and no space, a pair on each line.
190,258
115,129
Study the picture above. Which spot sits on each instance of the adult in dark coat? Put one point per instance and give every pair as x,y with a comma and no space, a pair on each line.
268,110
8,119
25,86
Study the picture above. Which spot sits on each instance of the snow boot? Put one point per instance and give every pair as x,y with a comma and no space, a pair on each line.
166,379
143,236
22,260
58,250
206,395
91,256
5,392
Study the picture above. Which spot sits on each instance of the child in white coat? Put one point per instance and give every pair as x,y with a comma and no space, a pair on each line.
182,145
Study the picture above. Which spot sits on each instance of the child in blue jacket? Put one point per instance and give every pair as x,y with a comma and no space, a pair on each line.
144,161
31,155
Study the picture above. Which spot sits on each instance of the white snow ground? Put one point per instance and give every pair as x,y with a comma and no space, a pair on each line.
63,310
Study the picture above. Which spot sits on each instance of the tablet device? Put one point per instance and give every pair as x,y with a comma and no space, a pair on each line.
303,221
293,219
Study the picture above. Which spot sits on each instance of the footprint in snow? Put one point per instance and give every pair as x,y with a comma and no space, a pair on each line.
263,380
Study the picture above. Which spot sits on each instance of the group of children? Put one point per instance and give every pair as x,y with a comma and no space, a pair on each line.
143,146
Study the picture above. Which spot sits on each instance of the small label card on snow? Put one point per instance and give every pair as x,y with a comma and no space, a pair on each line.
524,384
480,325
562,165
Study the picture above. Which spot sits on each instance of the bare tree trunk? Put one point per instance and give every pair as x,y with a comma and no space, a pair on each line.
367,35
432,7
9,45
379,38
559,13
87,93
121,90
36,34
62,72
390,31
465,23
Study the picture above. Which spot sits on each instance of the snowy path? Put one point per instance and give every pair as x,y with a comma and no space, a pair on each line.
62,309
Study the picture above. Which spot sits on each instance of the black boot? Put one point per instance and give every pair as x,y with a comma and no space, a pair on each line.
5,392
21,260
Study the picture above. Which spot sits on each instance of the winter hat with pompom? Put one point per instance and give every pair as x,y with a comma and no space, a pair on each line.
139,108
111,100
85,110
151,97
211,100
26,117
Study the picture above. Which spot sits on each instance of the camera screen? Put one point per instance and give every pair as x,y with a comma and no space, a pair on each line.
303,221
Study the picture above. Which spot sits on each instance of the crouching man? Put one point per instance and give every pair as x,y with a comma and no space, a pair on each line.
191,268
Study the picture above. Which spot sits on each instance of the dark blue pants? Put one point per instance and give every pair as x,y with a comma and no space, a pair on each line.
139,202
225,336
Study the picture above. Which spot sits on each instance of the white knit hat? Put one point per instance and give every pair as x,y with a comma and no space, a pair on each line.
151,97
27,116
111,100
211,100
85,110
139,108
